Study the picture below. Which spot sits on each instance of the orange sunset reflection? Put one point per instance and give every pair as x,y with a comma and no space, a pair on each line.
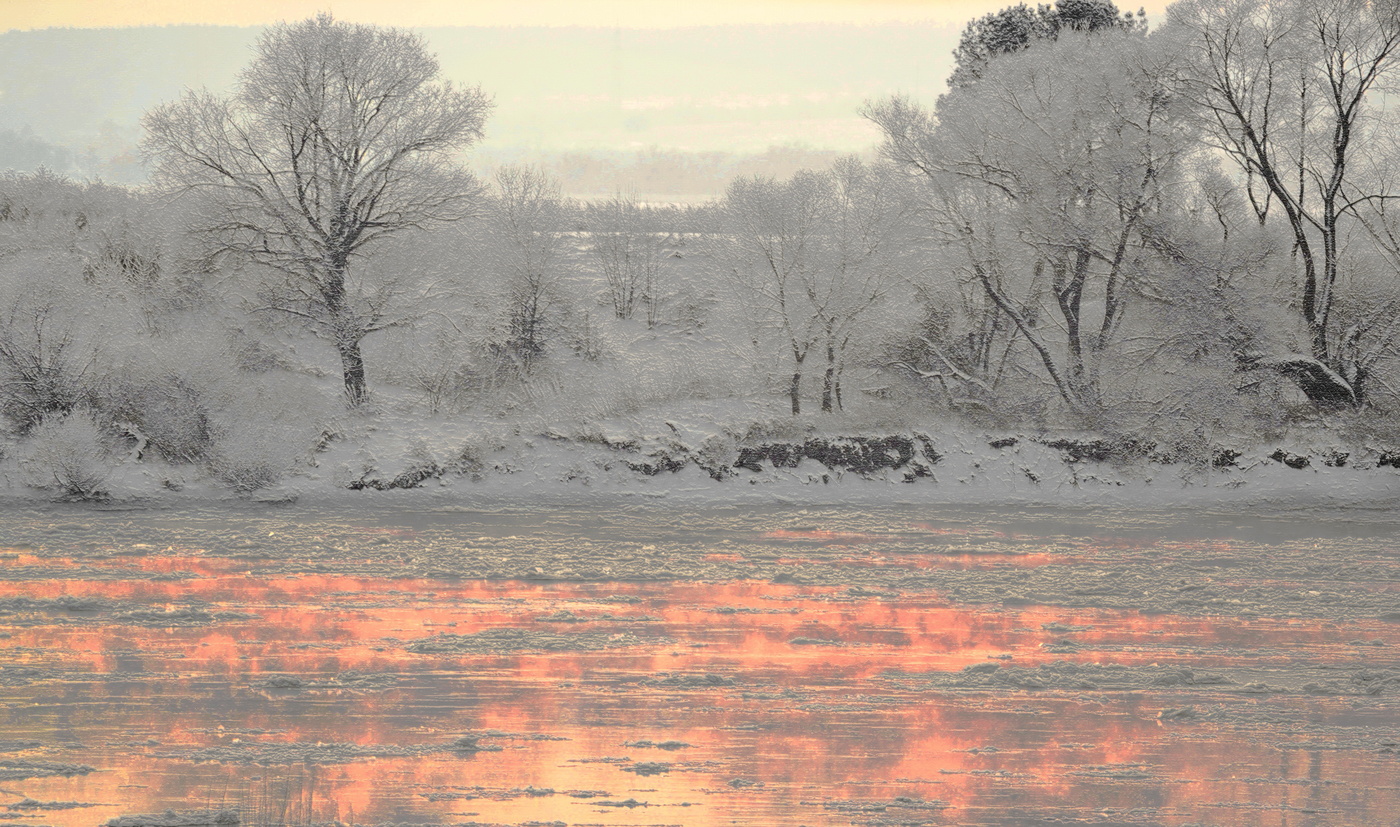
311,697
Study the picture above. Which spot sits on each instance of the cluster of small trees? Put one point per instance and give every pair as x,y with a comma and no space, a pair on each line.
817,256
1097,225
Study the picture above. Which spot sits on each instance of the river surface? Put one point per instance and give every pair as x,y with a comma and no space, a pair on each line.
642,667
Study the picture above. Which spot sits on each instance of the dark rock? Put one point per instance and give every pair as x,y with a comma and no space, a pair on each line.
862,455
1224,457
1102,450
1294,461
660,462
412,478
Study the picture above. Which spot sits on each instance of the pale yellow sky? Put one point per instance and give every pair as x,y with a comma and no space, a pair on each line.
632,86
38,14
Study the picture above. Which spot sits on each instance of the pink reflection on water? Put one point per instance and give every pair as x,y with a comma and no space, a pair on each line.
797,703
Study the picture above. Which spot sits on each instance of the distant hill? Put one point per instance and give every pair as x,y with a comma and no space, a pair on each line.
557,90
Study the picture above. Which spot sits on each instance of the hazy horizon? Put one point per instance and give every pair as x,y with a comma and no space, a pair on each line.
598,92
624,93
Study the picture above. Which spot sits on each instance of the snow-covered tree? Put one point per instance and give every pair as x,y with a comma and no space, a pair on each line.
1051,176
1287,89
629,253
812,256
337,137
1019,27
525,216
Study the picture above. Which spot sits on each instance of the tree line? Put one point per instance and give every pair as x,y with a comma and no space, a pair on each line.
1181,229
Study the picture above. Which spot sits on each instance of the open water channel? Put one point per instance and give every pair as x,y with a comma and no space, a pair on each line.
894,666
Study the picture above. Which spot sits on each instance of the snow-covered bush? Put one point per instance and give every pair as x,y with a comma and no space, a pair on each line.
164,396
168,411
44,369
647,375
248,472
69,454
76,275
264,427
248,456
439,363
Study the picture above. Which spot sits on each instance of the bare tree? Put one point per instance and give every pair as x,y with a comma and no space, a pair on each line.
525,218
864,252
337,137
964,345
1286,87
773,259
1370,308
812,256
629,254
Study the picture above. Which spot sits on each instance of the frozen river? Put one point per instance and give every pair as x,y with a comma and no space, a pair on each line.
642,667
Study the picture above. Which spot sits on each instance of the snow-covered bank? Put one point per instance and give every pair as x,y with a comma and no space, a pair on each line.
691,461
913,467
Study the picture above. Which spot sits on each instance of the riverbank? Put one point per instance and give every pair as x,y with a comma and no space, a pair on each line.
685,462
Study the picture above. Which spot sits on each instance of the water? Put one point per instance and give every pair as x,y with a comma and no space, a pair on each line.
713,668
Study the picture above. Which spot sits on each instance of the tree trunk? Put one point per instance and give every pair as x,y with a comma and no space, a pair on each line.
352,364
345,329
795,389
829,382
1067,391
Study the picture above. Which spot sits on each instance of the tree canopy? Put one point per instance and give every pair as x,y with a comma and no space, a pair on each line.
1018,27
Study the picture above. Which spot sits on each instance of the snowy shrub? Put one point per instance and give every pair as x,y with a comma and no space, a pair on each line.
694,307
166,389
44,370
1370,427
649,372
248,474
123,253
168,411
443,366
69,454
586,338
263,427
251,355
246,460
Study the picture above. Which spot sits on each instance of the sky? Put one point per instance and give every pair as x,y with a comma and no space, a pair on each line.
596,77
38,14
